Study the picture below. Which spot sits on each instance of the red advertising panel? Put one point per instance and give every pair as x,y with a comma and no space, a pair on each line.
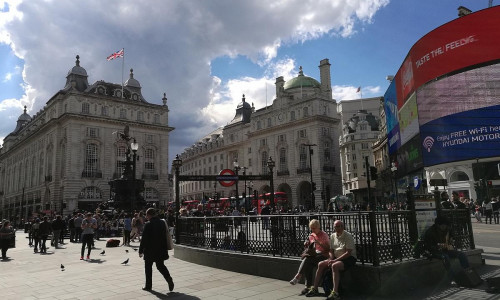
464,42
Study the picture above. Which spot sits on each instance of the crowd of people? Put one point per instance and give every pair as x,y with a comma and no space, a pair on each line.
489,209
146,226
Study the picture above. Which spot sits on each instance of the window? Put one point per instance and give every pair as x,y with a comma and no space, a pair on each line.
362,127
302,133
92,132
268,122
249,162
150,193
91,159
140,116
85,108
292,115
302,157
264,157
149,165
215,158
353,147
326,153
258,124
120,160
149,139
249,150
263,142
156,119
123,113
104,110
231,137
305,111
283,166
354,166
282,138
364,145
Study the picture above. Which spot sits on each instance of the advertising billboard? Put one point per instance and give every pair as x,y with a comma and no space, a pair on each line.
446,93
467,41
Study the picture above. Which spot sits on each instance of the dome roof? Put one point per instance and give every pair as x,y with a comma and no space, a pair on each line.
77,70
243,103
301,81
24,117
132,82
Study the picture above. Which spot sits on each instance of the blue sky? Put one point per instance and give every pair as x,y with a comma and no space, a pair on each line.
205,54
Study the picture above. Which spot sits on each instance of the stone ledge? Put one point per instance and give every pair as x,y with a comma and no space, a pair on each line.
384,280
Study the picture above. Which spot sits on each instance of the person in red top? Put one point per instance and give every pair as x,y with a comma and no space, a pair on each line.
321,242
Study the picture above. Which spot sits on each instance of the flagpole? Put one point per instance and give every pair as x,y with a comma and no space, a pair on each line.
123,63
361,95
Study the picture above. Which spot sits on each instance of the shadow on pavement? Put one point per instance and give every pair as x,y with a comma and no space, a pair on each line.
174,295
95,261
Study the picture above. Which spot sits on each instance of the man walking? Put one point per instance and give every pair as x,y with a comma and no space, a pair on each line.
154,249
57,227
88,227
78,228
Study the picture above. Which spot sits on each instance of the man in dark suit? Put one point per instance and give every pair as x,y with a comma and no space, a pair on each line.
154,249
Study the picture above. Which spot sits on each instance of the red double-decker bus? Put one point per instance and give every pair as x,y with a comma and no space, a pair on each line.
280,198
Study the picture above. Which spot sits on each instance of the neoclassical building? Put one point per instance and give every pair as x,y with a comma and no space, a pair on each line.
360,131
303,116
62,158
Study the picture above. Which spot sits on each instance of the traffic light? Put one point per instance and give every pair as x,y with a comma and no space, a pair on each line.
314,186
490,183
373,173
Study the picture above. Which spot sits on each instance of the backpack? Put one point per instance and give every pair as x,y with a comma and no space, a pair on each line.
112,243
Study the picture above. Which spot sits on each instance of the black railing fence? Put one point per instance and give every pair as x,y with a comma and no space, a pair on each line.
284,235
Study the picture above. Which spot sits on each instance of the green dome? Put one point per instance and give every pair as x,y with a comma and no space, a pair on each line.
301,81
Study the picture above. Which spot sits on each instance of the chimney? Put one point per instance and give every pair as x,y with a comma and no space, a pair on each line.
463,11
324,74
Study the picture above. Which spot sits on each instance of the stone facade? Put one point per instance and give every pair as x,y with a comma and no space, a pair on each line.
63,157
303,113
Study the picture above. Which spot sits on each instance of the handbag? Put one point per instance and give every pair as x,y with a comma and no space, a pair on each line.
310,251
170,242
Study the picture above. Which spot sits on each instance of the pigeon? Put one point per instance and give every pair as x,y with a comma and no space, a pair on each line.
125,262
103,251
126,250
62,267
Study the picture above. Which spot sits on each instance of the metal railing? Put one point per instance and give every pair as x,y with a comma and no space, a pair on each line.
284,235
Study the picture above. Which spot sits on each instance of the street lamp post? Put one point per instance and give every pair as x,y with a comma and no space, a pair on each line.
177,163
394,170
250,187
313,185
236,170
271,164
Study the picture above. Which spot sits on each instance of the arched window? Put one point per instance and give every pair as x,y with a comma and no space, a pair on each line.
459,176
305,111
90,192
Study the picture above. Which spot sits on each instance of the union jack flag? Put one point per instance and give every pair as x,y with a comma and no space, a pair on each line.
115,55
357,91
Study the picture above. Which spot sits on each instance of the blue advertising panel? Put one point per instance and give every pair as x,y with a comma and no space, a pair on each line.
391,107
462,136
391,116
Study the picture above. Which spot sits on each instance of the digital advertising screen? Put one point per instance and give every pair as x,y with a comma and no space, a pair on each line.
447,94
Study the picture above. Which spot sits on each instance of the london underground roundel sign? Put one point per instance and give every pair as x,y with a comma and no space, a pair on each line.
227,172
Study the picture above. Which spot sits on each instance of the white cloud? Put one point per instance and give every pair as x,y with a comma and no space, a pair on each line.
7,77
170,45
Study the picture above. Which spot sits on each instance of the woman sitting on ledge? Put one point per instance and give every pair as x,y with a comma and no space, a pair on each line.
322,246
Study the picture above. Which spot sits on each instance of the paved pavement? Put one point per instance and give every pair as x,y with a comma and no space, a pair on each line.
27,275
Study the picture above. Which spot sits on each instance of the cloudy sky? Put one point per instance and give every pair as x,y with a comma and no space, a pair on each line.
205,54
